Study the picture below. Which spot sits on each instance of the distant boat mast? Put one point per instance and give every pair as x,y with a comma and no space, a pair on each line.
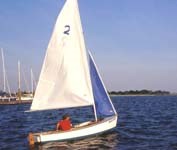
20,75
19,82
5,79
4,72
32,89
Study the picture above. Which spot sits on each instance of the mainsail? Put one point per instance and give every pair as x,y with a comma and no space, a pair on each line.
65,78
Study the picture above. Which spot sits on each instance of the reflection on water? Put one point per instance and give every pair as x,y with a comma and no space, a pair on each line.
103,141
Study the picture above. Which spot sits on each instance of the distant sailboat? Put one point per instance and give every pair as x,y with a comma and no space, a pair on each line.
70,78
6,92
29,95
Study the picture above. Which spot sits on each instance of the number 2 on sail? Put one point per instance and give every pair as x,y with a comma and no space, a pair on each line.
67,29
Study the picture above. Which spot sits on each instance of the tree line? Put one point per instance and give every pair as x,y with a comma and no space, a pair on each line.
139,92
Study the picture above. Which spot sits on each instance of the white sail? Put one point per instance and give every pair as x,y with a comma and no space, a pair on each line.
64,80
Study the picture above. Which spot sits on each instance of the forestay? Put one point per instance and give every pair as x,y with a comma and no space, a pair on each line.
64,80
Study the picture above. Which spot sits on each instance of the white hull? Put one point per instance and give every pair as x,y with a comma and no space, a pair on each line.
83,130
26,98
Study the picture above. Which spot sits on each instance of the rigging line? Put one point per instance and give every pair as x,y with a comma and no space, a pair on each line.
3,67
8,86
5,74
32,86
35,82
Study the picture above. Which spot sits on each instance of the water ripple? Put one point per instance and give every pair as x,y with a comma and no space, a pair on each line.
145,122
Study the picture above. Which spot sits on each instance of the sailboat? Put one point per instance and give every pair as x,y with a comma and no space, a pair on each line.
5,96
28,97
70,79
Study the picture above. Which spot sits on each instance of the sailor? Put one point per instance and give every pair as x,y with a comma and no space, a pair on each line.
65,123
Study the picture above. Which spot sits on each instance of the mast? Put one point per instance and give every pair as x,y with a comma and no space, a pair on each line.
94,108
19,83
4,72
26,83
32,90
8,87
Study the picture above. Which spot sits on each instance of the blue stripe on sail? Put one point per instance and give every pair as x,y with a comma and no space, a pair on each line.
103,105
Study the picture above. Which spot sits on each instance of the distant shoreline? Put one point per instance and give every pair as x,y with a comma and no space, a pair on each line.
142,95
143,92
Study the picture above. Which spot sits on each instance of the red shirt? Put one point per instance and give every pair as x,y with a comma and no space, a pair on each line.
64,125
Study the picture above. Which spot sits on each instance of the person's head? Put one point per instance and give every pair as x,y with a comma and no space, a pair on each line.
66,117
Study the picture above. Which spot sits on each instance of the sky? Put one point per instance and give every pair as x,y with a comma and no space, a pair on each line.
134,42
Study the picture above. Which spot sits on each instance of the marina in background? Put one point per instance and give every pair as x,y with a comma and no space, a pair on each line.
19,97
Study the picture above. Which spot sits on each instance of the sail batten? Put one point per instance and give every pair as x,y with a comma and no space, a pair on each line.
65,80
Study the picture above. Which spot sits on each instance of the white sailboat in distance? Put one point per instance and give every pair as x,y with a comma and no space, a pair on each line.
69,78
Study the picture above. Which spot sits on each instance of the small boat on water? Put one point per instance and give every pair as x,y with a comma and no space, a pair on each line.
69,79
